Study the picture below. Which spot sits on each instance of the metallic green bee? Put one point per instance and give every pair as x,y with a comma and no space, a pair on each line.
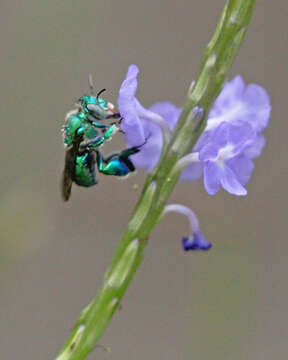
83,134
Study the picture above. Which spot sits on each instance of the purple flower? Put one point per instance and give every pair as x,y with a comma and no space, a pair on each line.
196,239
225,163
236,105
223,153
196,242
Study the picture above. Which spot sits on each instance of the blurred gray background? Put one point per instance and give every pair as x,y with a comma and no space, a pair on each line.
229,303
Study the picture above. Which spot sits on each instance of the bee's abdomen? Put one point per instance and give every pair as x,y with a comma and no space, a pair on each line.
85,174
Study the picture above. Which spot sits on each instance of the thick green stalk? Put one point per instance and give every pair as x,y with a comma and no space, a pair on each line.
218,58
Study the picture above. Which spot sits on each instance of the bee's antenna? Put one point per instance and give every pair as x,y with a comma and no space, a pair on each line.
91,86
99,93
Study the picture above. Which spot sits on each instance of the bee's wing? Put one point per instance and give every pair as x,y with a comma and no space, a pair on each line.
66,185
66,181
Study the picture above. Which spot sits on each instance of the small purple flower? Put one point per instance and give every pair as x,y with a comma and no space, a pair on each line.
224,162
236,105
196,242
196,239
223,153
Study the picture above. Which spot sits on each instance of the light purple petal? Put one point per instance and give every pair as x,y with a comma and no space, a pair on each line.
216,174
258,106
240,135
150,152
131,124
230,183
129,85
242,167
192,172
255,149
237,103
138,124
231,93
211,177
219,140
168,111
202,141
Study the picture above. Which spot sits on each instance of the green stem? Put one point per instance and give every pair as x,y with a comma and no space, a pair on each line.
218,58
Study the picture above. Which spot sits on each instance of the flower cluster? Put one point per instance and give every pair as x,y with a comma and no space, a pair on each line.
225,151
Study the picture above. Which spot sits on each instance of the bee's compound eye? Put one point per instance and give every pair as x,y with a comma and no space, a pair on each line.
102,102
93,107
